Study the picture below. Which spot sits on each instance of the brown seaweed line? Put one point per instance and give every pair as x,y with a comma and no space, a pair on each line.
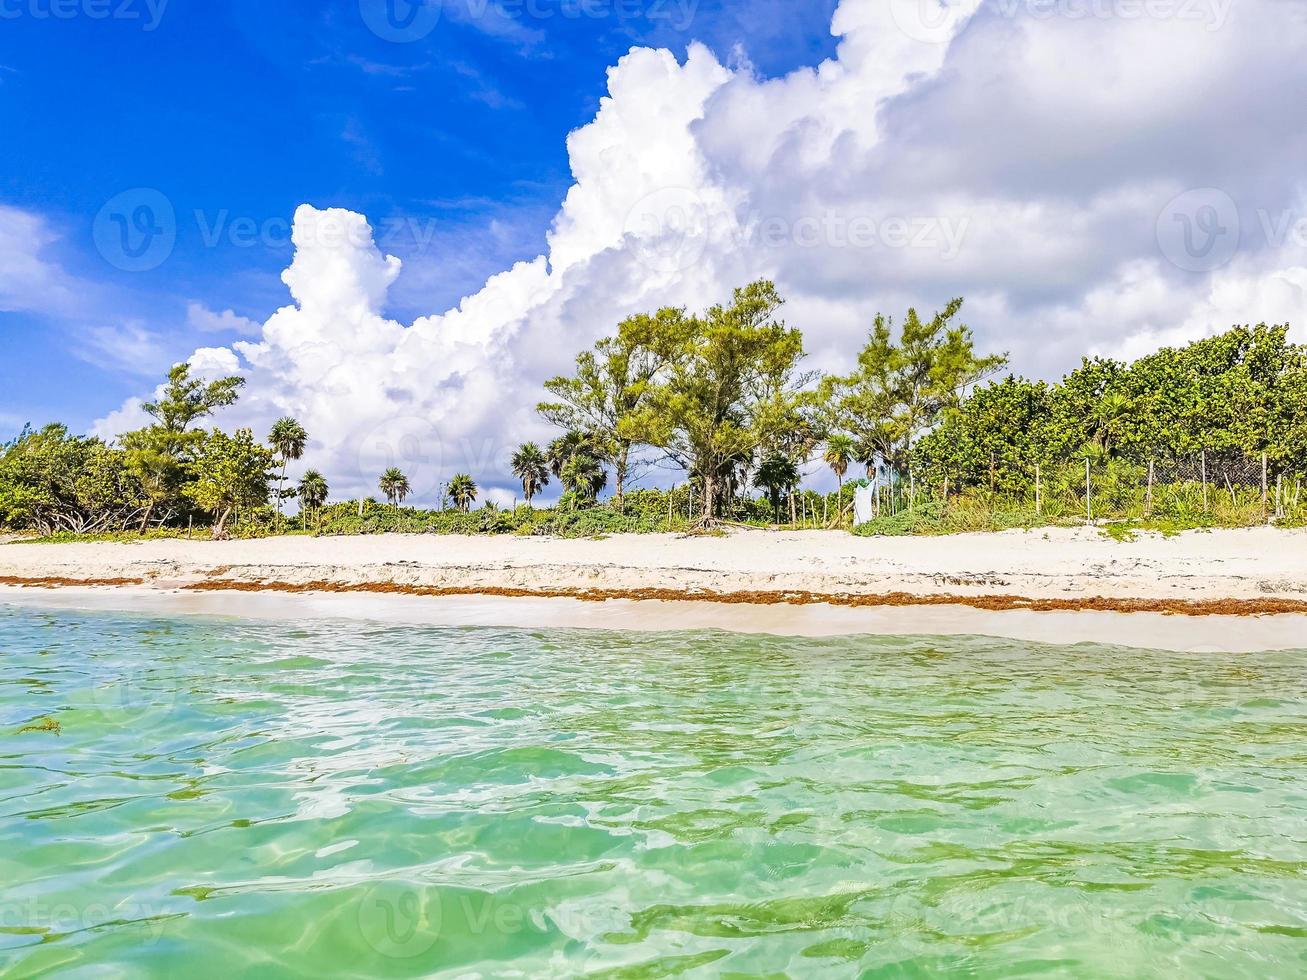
993,603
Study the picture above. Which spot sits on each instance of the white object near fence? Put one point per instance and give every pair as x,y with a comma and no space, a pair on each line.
863,498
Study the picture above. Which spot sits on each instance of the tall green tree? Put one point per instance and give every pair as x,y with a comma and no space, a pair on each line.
903,386
612,382
840,452
779,476
288,440
584,478
733,390
231,472
394,484
159,454
532,468
462,491
186,400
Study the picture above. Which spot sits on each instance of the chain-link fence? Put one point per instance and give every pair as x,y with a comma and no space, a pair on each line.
1201,488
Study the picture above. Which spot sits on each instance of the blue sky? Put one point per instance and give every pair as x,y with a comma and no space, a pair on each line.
240,111
1093,176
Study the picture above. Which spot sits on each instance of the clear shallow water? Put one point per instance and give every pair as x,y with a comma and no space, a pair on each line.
230,798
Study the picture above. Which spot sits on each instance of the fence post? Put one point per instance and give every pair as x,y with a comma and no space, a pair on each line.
1264,511
912,492
1279,496
1206,508
1151,475
1089,506
1039,492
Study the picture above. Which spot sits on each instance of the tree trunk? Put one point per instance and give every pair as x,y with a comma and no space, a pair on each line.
145,521
620,467
220,529
709,497
281,482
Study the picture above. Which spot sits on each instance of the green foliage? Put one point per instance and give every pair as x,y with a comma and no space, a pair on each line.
531,466
611,386
721,395
231,472
901,388
288,440
841,451
646,512
160,455
1233,396
732,391
394,484
53,482
186,400
778,475
463,491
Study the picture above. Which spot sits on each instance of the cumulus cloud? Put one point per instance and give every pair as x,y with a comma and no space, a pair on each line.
1090,176
29,282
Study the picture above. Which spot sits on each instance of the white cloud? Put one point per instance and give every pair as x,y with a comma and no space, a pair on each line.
200,317
1019,159
28,281
130,347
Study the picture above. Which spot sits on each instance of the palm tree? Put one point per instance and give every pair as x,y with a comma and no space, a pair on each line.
531,466
288,440
394,484
866,453
776,473
463,491
312,492
584,476
840,452
570,444
1109,416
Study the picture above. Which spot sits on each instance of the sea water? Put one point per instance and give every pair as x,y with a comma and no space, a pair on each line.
216,797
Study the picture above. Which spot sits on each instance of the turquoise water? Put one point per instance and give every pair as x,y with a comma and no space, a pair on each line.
229,798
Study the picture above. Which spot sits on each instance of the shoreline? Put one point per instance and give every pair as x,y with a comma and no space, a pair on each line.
1221,590
1140,630
1233,591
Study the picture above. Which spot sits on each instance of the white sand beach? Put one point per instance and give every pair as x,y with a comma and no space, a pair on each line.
1073,564
796,583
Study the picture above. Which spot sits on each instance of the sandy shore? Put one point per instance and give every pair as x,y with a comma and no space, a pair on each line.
1059,585
1071,565
1154,631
